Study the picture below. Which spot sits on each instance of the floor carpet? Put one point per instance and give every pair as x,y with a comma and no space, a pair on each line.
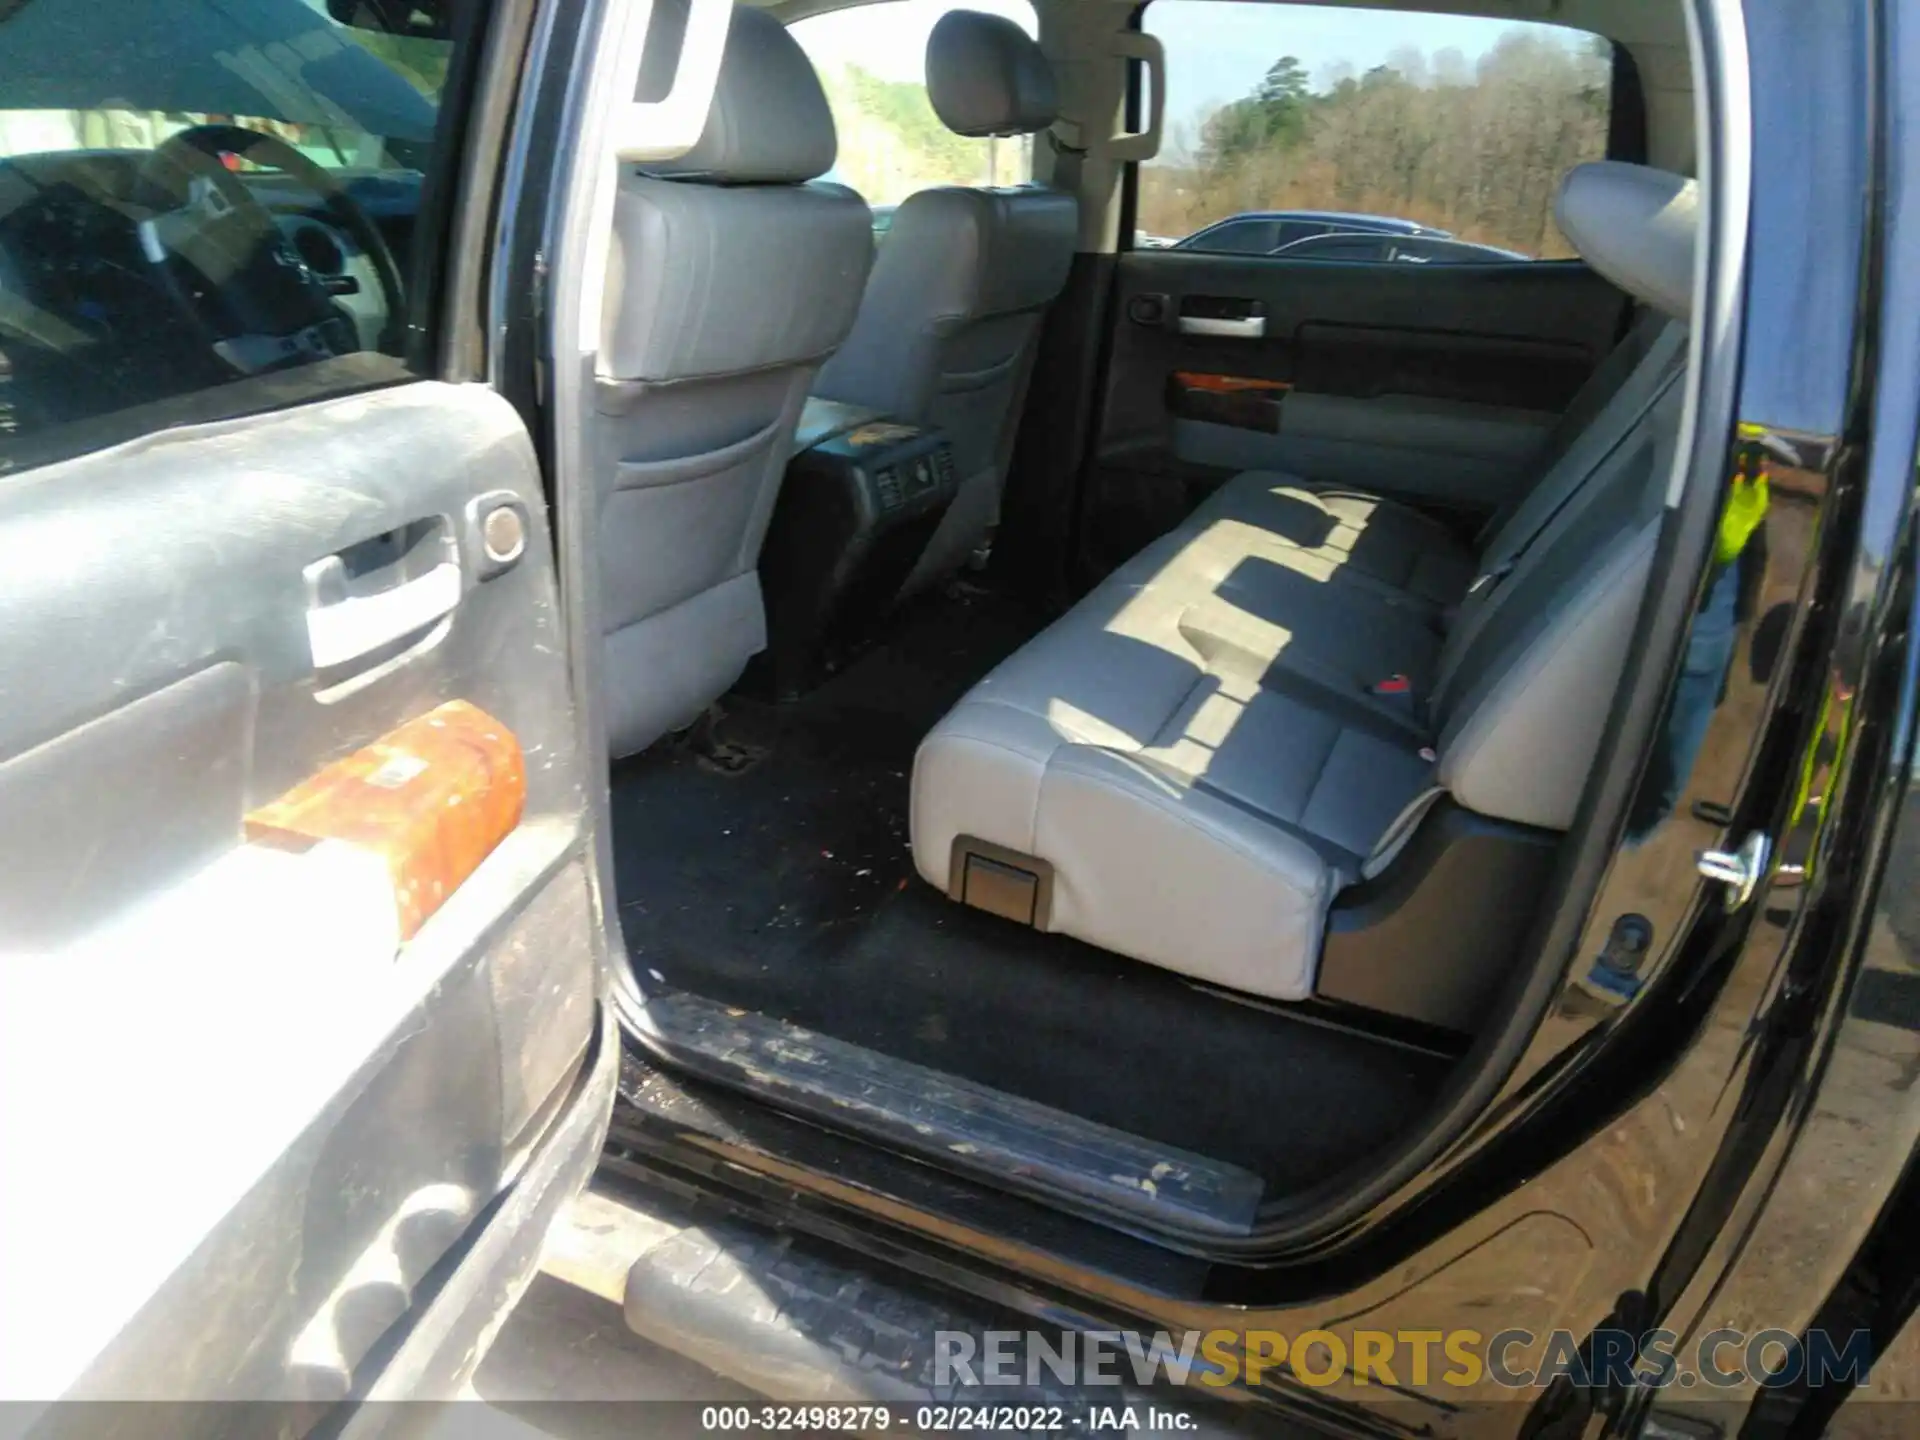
787,888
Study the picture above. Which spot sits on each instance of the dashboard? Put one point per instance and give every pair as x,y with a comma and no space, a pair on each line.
87,325
390,199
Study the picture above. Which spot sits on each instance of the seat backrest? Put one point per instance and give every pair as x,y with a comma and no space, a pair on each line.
1539,647
730,281
951,319
1582,462
1653,346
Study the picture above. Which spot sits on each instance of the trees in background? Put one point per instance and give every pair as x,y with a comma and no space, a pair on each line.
892,144
1474,149
1274,118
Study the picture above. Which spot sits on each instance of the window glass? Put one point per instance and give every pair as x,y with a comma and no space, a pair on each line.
871,61
196,193
1243,237
1401,125
1288,231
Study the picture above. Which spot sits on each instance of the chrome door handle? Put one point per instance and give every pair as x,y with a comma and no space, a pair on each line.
346,630
1246,327
1739,870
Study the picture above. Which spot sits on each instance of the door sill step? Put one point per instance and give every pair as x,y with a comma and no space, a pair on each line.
771,1315
800,1326
956,1122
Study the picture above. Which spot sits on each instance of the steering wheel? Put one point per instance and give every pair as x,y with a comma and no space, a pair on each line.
224,261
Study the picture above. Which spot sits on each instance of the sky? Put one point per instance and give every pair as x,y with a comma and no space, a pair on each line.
1217,50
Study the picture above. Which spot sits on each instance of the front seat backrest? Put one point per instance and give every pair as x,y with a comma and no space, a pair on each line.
730,280
947,332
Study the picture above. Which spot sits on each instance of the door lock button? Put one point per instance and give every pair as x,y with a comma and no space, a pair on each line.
505,535
496,527
1148,309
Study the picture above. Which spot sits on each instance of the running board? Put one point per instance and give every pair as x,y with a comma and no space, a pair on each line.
953,1121
803,1328
801,1325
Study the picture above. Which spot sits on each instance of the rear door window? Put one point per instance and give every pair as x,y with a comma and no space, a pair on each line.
1394,122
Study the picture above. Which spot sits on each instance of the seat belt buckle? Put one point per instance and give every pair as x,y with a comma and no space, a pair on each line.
1397,692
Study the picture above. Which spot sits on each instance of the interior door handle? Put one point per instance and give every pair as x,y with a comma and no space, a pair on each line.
344,630
1240,327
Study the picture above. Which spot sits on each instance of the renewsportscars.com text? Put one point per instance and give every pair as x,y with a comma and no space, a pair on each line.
1514,1359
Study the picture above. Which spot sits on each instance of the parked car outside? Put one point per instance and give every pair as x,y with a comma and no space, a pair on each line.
1262,232
1379,249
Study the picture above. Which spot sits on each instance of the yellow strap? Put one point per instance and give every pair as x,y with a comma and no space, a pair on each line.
1746,507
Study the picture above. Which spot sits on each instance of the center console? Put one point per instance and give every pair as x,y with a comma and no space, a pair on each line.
861,498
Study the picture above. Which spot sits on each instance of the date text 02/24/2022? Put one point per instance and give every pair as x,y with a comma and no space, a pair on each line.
939,1419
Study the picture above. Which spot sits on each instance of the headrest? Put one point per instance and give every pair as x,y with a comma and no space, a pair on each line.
769,122
986,76
1635,226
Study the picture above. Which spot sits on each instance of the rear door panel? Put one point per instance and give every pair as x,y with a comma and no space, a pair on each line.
1433,382
235,1108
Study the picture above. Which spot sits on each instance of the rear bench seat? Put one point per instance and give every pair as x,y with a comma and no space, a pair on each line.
1191,764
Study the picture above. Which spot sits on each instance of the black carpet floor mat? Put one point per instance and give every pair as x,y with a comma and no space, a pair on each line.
786,887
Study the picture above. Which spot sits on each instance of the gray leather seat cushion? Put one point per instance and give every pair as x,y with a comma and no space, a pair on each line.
1199,811
1197,751
1291,611
1373,537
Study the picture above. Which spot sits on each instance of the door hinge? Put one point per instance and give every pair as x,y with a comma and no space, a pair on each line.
1739,870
